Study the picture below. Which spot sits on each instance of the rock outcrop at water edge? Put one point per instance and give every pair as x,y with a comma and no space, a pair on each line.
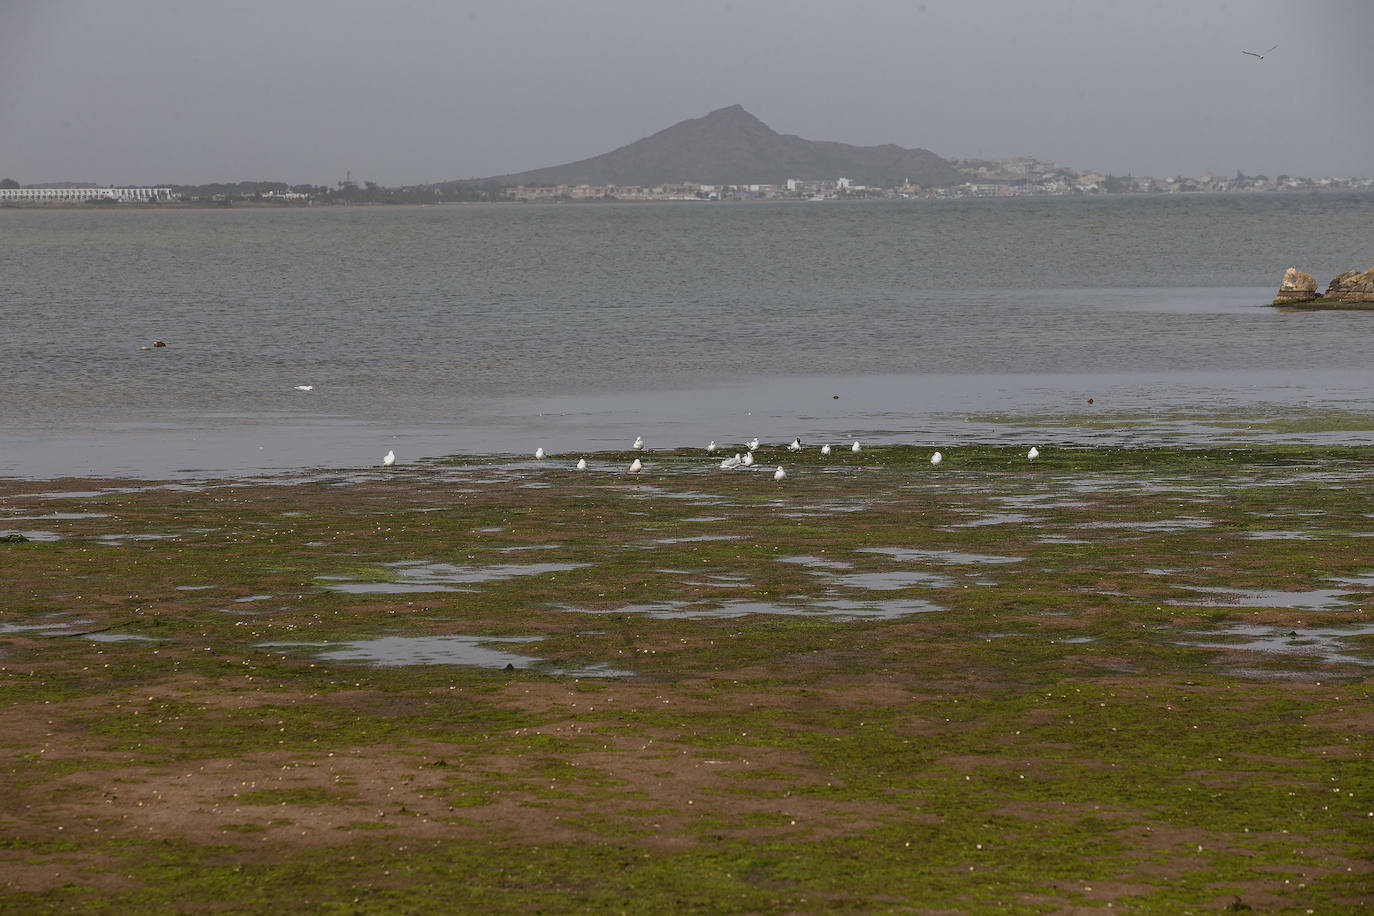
1296,287
1351,286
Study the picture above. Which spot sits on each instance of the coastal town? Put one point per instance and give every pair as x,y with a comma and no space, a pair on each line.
1017,177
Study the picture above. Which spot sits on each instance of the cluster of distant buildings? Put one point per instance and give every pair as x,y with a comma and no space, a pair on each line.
1019,177
1006,178
86,195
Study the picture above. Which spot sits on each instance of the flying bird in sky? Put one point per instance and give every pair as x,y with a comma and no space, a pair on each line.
1257,54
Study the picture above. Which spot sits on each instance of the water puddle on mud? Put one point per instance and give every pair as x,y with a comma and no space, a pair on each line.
54,625
403,651
119,637
886,581
56,516
1318,599
998,518
1326,644
912,555
811,562
31,535
831,608
1164,524
688,539
421,576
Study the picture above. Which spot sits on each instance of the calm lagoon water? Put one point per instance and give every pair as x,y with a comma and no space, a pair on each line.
496,328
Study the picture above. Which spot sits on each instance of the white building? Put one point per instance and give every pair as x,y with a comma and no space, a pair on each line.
79,195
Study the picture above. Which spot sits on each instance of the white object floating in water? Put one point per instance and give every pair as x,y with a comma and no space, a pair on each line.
636,467
936,458
388,459
855,447
729,463
305,387
539,453
639,442
710,449
748,458
753,443
825,449
582,464
1033,454
779,474
795,446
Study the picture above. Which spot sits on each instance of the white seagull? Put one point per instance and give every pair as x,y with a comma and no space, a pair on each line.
779,474
855,447
748,458
753,443
388,459
825,449
582,464
711,448
539,454
1257,54
729,463
936,458
636,467
795,446
305,387
1033,454
639,443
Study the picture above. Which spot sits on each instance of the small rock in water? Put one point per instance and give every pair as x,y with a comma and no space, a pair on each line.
1296,286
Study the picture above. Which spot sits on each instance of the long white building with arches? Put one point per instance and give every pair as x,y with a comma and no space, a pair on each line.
80,195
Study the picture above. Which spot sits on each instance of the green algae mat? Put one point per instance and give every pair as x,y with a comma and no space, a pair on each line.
1134,679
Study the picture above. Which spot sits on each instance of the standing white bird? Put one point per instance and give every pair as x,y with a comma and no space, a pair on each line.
779,474
936,458
388,459
729,463
1257,54
855,447
825,449
795,446
639,443
748,459
1033,454
582,464
753,443
539,454
711,447
636,467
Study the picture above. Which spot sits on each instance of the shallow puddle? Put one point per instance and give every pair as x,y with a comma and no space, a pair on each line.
689,539
1324,643
32,535
834,608
400,651
912,555
1164,524
120,637
1319,599
56,516
419,576
53,627
998,518
815,562
886,581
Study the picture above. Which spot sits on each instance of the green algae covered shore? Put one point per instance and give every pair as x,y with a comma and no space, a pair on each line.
1125,677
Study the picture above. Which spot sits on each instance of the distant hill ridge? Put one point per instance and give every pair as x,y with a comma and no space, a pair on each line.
731,146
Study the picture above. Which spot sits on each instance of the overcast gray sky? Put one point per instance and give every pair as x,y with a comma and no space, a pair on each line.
405,91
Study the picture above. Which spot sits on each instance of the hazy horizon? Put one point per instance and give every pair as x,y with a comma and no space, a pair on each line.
157,91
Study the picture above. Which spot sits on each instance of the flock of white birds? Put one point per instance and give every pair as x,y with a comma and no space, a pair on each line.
738,460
